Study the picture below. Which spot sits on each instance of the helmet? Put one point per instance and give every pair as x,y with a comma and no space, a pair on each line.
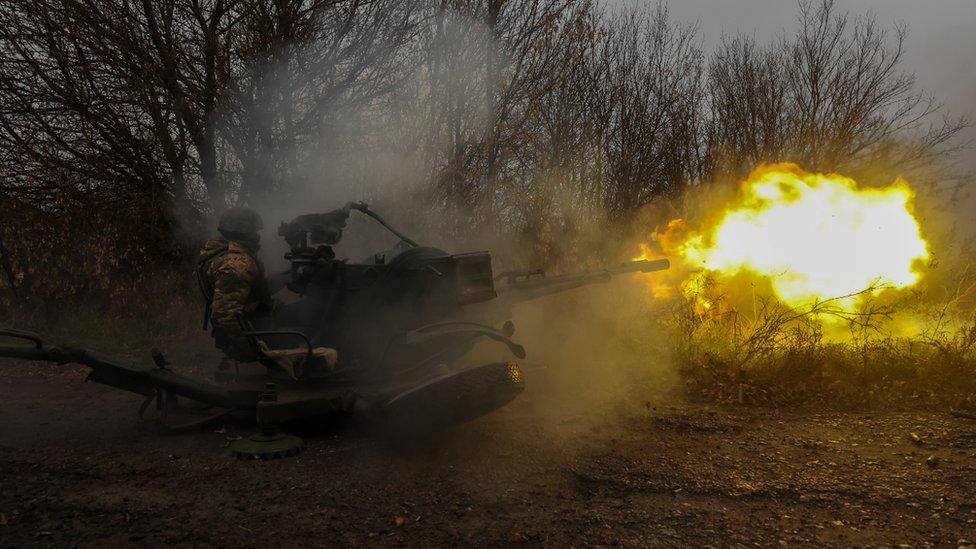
240,222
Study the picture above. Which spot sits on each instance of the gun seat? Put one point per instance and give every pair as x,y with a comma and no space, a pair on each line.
298,362
321,357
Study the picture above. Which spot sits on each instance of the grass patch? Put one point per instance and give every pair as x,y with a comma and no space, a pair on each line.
823,356
164,312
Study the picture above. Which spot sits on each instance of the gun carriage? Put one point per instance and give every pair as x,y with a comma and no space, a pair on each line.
404,323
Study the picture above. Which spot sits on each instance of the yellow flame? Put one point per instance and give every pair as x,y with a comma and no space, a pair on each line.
812,236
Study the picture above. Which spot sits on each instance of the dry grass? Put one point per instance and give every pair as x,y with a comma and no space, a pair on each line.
821,355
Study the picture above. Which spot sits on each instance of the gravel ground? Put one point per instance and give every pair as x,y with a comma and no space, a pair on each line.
78,469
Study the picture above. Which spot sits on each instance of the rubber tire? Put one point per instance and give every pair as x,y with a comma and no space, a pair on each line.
450,400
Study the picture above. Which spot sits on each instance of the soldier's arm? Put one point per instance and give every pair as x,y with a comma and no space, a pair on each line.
233,281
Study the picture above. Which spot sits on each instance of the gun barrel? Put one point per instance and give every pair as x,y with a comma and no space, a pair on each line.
643,265
531,288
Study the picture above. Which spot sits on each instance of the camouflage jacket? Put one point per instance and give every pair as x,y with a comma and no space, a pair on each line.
232,281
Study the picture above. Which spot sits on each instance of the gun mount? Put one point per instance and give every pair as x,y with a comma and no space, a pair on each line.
403,322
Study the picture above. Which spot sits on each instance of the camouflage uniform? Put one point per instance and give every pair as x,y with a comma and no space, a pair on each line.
232,281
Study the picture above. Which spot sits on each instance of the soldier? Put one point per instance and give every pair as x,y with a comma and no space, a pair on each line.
232,280
233,283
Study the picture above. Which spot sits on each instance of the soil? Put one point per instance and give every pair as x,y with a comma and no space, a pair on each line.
78,469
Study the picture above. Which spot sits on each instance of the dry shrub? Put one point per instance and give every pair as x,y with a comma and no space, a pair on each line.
823,356
88,273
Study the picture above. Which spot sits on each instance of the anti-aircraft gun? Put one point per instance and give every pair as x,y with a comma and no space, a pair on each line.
364,308
404,323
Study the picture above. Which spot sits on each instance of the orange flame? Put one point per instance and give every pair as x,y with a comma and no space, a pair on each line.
811,236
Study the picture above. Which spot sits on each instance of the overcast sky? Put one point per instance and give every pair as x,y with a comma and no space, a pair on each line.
941,44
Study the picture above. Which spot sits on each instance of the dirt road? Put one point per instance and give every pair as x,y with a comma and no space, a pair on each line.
77,469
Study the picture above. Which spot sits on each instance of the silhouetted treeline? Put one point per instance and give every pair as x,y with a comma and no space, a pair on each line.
527,116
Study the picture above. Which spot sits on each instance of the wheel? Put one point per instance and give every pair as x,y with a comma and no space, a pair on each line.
450,400
270,445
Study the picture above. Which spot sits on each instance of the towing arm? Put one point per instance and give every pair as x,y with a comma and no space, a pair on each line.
118,373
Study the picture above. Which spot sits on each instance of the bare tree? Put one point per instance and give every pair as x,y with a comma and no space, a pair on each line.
110,92
831,97
155,109
314,70
750,114
529,117
489,66
654,80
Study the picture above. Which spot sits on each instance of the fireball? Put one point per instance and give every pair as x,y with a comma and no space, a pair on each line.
812,236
